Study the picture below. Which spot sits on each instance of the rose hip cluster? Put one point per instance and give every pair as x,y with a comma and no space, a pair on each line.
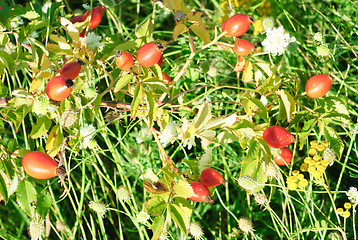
60,87
147,56
208,178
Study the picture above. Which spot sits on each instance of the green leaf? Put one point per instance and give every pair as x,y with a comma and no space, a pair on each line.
154,83
334,140
26,194
54,141
70,29
7,61
5,12
201,32
155,205
44,202
287,104
30,15
203,116
124,80
221,122
137,99
152,107
183,189
158,226
3,188
263,112
41,127
179,217
179,29
145,30
306,130
185,205
251,161
3,89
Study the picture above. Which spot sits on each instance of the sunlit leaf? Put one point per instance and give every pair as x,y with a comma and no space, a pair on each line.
203,116
179,217
70,28
26,194
54,141
183,189
41,127
124,80
201,32
288,103
179,29
248,75
155,206
158,226
334,140
240,64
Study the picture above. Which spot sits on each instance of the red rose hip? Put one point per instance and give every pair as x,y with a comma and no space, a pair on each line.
277,137
284,158
211,178
201,193
318,86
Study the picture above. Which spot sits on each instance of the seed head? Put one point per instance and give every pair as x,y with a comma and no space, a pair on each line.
69,117
36,229
245,225
98,207
247,183
196,231
142,217
123,194
41,105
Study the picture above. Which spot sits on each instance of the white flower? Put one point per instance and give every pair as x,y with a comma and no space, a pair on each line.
46,6
196,231
36,229
169,134
123,194
352,194
318,37
277,41
205,160
92,40
142,217
87,132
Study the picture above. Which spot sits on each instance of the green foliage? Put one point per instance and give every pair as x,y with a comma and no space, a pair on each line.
134,131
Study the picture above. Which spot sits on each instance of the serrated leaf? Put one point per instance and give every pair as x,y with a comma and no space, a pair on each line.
56,49
3,189
221,122
30,15
155,205
152,107
7,61
201,32
26,194
54,141
33,67
137,99
306,130
251,161
158,226
195,17
226,137
265,67
203,116
240,64
45,62
263,112
179,29
155,84
3,89
248,75
41,127
288,103
44,202
334,140
176,5
124,80
70,29
185,205
183,189
45,75
179,217
206,137
145,30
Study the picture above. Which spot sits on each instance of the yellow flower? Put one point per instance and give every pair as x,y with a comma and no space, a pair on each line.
303,183
312,152
325,143
312,163
317,157
320,147
295,172
347,205
304,167
311,170
340,211
346,214
317,174
321,168
325,162
300,176
292,186
307,159
257,26
314,142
